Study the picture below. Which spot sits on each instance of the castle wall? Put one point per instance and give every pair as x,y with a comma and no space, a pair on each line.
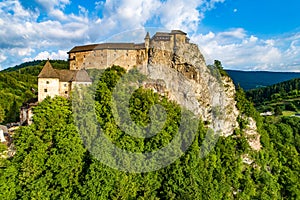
64,89
104,58
123,56
180,39
167,45
47,87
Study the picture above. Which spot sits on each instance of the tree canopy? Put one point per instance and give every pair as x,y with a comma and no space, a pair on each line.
52,162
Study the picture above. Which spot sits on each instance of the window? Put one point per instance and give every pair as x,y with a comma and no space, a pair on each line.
65,85
66,92
47,82
45,90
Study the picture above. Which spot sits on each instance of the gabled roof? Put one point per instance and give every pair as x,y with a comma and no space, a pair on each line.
81,76
48,71
64,75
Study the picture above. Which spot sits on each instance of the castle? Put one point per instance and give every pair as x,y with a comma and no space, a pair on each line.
127,55
53,82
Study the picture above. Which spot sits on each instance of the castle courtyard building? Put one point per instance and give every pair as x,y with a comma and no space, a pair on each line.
53,82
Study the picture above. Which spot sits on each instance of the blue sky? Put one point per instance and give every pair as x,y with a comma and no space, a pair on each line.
243,34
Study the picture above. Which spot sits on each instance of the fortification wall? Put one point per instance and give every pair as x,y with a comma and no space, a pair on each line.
104,58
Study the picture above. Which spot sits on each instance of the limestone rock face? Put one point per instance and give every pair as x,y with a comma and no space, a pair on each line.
253,136
193,85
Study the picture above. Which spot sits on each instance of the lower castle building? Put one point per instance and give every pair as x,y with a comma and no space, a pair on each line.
53,82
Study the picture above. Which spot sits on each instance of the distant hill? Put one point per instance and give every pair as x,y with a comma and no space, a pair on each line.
256,79
23,65
284,96
58,64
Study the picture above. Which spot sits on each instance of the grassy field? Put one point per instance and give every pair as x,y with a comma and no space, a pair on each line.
288,113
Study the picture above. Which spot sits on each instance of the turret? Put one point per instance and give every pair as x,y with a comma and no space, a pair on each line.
147,41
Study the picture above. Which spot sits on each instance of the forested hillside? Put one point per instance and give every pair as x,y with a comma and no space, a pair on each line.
52,162
19,84
283,96
256,79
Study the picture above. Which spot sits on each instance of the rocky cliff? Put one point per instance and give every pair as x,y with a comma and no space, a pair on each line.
183,75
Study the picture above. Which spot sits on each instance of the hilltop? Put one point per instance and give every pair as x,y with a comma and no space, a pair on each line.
256,79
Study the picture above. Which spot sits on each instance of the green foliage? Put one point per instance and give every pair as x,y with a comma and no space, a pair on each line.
49,156
278,111
219,66
280,155
2,114
52,163
244,105
285,94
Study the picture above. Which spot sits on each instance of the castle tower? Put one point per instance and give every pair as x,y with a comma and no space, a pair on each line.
48,82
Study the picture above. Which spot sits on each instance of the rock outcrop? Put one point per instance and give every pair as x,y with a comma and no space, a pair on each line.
182,71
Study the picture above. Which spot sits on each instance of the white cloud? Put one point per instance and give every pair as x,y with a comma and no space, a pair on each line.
41,30
237,33
51,4
59,55
211,4
21,51
2,57
253,38
248,52
128,14
177,14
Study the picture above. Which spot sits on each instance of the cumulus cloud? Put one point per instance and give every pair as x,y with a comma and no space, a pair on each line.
50,5
123,15
24,31
238,50
41,29
59,55
29,27
177,14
